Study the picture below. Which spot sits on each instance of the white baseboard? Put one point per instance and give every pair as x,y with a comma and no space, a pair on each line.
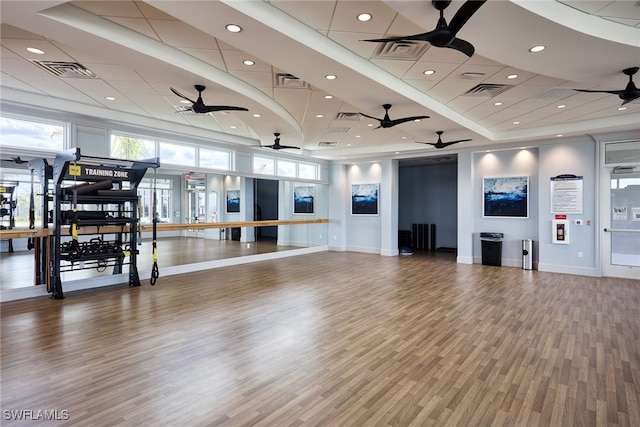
563,269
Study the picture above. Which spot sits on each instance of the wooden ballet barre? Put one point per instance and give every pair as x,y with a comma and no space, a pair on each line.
233,224
19,233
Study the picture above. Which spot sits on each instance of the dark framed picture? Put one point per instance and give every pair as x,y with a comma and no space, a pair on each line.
364,199
303,200
505,197
233,201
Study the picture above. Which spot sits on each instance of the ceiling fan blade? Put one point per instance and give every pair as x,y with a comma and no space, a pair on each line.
212,108
462,46
407,119
458,141
370,117
181,95
425,37
463,14
289,146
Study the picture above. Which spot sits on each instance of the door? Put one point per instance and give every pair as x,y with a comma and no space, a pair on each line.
621,220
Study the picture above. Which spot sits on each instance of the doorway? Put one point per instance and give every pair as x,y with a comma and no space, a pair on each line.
196,204
266,208
620,189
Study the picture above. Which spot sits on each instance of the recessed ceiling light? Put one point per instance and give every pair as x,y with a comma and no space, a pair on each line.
561,106
364,17
512,76
233,28
404,137
328,97
536,49
559,135
497,103
370,125
330,77
516,123
348,145
35,50
109,98
319,116
358,136
184,101
417,120
622,108
248,62
257,115
232,127
397,152
428,72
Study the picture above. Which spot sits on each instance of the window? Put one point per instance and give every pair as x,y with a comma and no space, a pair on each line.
184,155
263,165
31,135
132,148
286,168
307,171
163,195
215,159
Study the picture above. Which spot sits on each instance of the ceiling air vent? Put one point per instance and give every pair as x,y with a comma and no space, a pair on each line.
409,50
349,116
65,69
289,81
488,90
327,144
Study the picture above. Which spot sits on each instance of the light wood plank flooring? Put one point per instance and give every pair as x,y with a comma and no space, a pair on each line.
332,339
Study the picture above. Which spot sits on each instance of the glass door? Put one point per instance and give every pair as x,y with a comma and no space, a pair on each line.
621,220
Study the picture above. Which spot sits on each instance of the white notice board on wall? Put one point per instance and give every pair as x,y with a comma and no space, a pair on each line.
566,194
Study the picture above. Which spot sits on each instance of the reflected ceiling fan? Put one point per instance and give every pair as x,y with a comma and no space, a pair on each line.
628,94
16,160
276,144
199,106
441,144
444,35
386,122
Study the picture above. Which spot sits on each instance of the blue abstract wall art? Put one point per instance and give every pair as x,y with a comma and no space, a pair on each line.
233,201
303,199
505,197
364,199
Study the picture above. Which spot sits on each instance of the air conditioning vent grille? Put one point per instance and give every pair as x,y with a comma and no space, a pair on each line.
349,116
65,69
557,93
488,90
327,144
289,81
340,130
409,50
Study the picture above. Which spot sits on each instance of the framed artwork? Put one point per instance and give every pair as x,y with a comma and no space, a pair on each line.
505,197
364,199
303,200
233,201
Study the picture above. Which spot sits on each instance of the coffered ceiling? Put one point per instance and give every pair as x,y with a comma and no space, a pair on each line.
135,51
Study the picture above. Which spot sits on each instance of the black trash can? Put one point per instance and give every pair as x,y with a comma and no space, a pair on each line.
491,248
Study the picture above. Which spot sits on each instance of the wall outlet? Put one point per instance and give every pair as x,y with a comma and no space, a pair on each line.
579,254
578,222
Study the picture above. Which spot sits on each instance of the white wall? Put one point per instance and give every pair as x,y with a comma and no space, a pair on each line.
576,158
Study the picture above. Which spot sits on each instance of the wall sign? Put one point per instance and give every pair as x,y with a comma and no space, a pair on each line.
566,194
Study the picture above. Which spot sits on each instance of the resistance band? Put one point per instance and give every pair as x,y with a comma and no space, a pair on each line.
155,272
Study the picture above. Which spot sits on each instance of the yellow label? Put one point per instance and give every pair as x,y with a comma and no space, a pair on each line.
126,253
75,170
3,189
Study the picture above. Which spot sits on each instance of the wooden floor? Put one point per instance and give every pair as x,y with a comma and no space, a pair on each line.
331,339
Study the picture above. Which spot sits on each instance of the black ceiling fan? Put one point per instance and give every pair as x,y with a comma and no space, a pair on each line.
444,35
628,94
441,144
386,122
276,144
16,160
199,106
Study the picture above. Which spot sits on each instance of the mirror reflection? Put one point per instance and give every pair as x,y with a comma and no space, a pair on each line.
196,215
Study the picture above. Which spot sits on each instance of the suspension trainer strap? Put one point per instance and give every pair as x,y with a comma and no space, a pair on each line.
155,272
32,214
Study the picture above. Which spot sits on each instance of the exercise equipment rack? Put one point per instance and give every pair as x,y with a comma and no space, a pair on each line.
7,207
95,214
